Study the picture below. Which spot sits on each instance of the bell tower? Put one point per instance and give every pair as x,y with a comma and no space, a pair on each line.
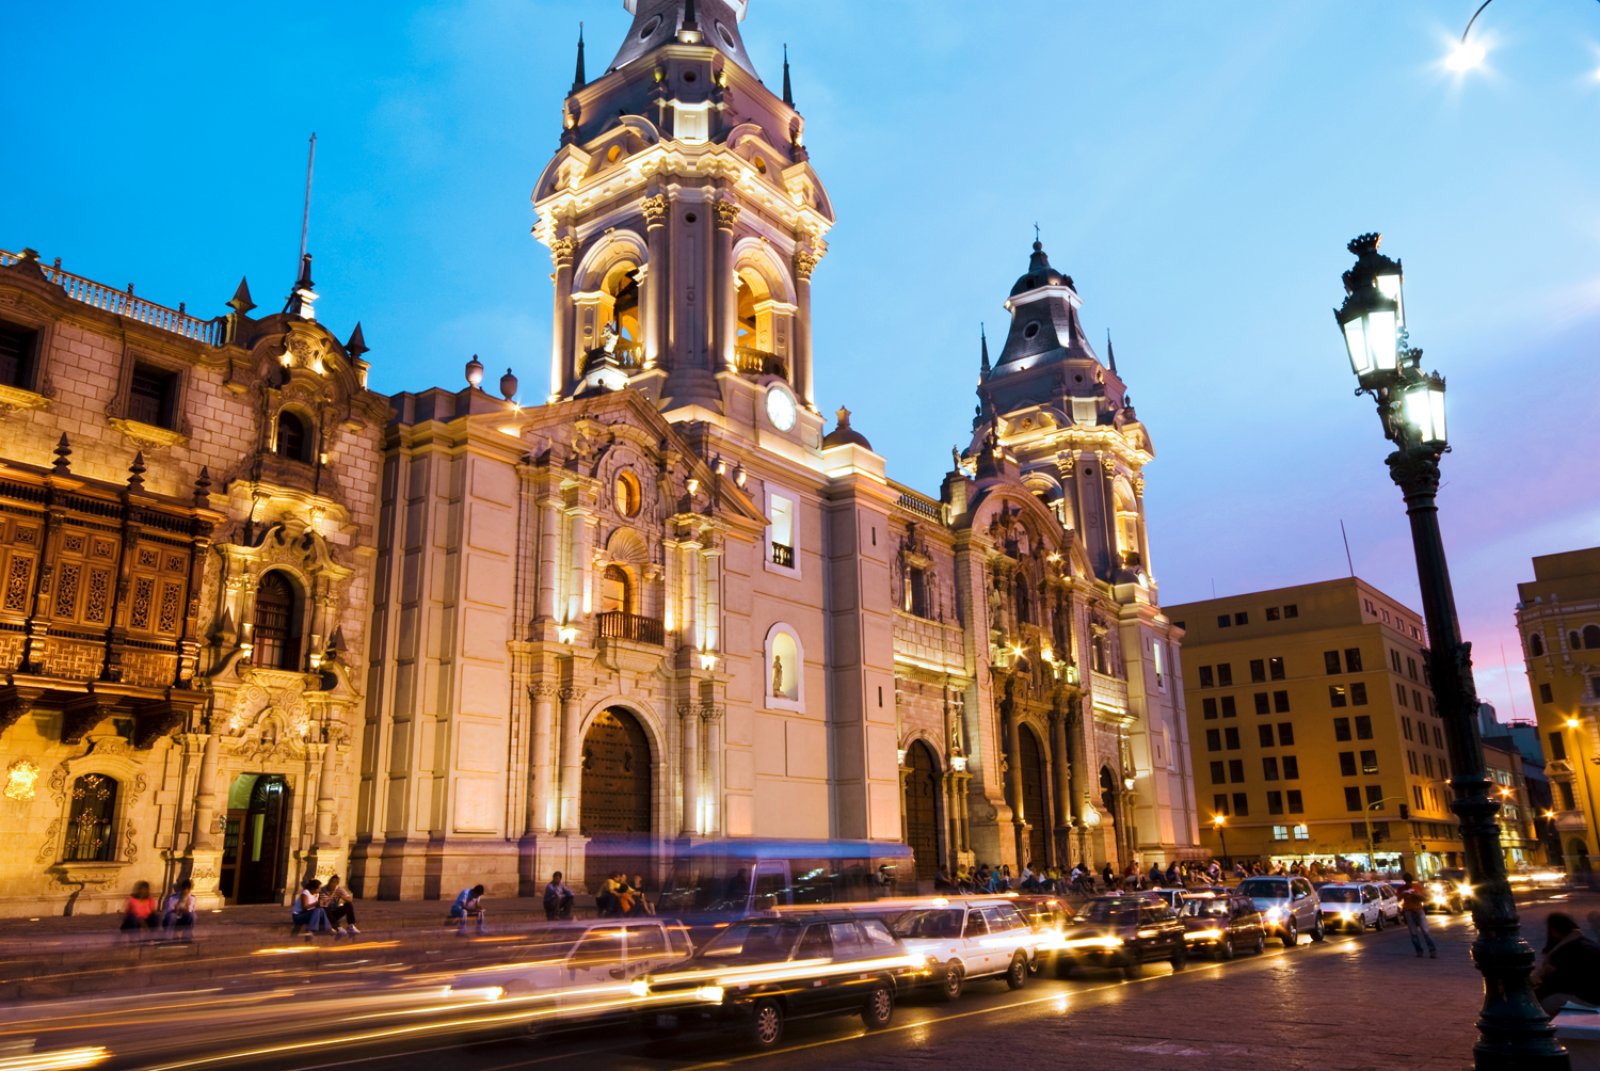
683,220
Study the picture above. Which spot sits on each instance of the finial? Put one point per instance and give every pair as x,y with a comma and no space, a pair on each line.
579,79
474,371
1037,244
136,472
63,451
788,89
983,342
843,417
356,345
1111,352
508,385
240,302
202,486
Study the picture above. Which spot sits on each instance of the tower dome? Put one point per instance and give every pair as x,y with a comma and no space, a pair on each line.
1040,273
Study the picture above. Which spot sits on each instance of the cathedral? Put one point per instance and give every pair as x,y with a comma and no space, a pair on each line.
261,623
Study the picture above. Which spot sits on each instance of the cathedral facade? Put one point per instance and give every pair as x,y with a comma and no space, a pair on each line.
260,623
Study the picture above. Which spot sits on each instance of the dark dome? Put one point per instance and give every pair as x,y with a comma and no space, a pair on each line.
843,433
1040,273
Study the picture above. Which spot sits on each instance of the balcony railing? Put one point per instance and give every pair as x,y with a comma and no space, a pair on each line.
123,303
783,555
753,362
636,628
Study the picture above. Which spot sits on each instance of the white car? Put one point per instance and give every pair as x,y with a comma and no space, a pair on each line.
1389,900
969,938
1351,906
569,963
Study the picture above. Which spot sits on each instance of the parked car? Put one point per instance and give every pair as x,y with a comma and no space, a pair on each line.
1389,900
1351,906
965,939
1123,933
1222,924
1289,906
756,974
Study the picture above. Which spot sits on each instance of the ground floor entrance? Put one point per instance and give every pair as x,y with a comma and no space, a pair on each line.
255,842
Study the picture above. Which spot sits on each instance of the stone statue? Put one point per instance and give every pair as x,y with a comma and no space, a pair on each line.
777,675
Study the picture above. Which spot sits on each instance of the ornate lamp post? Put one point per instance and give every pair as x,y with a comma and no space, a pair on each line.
1220,822
1513,1031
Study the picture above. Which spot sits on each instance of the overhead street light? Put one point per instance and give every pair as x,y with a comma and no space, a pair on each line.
1514,1034
1469,52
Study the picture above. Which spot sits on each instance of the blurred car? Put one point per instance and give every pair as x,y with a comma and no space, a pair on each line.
1448,891
1389,900
756,974
1048,917
1351,906
567,957
965,939
1289,906
1171,897
1123,933
1222,924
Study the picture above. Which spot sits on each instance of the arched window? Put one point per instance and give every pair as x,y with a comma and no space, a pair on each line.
627,495
616,590
277,622
1591,637
784,669
92,821
1574,641
622,285
1127,524
1536,645
294,436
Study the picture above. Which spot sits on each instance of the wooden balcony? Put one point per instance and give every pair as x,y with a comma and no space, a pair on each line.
635,628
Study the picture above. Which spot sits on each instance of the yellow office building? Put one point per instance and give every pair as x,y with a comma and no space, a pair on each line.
1558,615
1311,722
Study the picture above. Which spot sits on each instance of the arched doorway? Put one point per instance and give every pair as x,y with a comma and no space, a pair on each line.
255,841
1035,778
922,809
614,802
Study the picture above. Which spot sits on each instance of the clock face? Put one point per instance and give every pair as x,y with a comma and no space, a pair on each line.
781,408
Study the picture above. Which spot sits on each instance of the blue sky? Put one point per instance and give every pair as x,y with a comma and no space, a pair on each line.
1196,167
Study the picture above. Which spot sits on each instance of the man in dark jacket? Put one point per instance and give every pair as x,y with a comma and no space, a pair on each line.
1571,967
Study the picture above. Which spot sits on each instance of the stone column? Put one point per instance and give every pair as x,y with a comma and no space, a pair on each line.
693,628
1061,764
205,802
549,557
539,794
571,761
805,262
713,719
327,801
690,720
656,349
711,611
724,306
562,251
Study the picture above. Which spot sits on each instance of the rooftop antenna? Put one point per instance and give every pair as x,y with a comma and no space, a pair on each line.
1036,234
304,295
305,216
579,78
1511,693
1347,559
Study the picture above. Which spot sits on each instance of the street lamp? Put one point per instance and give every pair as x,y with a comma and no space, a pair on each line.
1220,821
1514,1034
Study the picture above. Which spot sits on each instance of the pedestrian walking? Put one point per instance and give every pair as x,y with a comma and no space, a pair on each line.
468,905
1570,970
1414,909
339,903
140,911
307,911
557,899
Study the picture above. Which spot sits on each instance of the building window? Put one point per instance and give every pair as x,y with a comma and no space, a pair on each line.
1405,727
1241,805
1258,670
1336,695
1369,762
1263,703
1230,708
1208,707
1275,804
627,494
1358,694
1213,740
917,591
276,634
1411,763
1394,659
1272,613
1224,674
1275,668
1400,695
1231,738
1347,764
1558,747
1411,668
19,354
91,823
1352,798
1241,618
1545,694
1236,770
153,396
1363,727
1280,702
1416,794
1341,728
1291,768
1219,803
1416,699
616,590
1206,679
1567,801
1223,621
1427,764
1264,732
1278,832
1286,733
1536,645
1591,636
1291,610
1352,659
1301,831
294,436
1219,774
1269,768
1330,662
781,531
1375,798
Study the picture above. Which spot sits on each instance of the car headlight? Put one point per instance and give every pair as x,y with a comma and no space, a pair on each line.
709,994
1213,934
1095,942
641,988
1466,890
1276,914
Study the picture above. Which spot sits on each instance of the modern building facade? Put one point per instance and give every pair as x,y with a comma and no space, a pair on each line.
188,510
1314,729
443,638
1558,616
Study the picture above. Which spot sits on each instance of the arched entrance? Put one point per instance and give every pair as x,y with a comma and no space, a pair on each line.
1035,779
255,840
614,802
922,809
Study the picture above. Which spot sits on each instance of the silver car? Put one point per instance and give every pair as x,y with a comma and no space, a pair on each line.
1289,906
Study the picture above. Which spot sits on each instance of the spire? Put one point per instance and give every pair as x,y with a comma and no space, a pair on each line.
983,341
240,302
788,90
660,23
579,80
689,21
304,294
356,345
1111,353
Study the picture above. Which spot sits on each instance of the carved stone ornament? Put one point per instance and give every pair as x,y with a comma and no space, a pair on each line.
654,209
562,251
